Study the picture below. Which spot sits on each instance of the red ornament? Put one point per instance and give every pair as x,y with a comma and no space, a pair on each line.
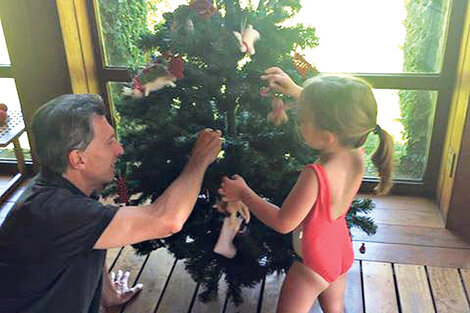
203,7
3,113
176,67
278,115
3,117
362,249
123,191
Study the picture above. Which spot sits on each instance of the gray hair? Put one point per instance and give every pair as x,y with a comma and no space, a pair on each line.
64,124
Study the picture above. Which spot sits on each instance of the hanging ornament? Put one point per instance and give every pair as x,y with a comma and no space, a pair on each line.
362,249
123,191
302,65
203,7
278,115
267,92
247,38
189,26
176,67
160,73
230,226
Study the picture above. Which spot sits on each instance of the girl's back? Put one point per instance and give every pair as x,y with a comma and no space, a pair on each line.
344,172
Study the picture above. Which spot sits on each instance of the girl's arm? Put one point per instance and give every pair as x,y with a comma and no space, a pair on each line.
280,81
293,211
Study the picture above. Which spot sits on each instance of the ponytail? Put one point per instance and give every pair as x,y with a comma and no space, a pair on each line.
383,161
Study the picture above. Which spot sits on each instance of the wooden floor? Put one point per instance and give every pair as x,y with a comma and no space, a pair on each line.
412,264
372,287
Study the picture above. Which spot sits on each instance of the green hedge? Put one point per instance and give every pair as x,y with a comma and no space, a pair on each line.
424,27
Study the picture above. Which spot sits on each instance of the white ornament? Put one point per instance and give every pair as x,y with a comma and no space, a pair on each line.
224,245
247,39
159,83
230,227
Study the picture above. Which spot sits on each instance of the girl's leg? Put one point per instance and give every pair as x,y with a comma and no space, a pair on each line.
332,299
300,289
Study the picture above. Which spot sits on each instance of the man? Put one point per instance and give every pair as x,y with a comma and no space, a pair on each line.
52,244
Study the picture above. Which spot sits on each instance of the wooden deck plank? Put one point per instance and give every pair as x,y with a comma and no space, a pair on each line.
353,293
408,254
272,288
179,291
379,288
215,306
413,288
129,261
111,255
413,235
466,281
154,277
448,291
404,203
250,304
407,218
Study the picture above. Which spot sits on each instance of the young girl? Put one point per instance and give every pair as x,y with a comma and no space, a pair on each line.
336,115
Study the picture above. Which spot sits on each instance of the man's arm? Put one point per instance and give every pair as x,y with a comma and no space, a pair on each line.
167,214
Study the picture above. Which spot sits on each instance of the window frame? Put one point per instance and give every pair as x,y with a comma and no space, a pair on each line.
443,82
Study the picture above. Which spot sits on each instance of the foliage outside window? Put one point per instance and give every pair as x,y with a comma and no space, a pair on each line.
425,27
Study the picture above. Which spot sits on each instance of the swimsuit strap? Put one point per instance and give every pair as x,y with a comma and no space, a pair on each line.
323,203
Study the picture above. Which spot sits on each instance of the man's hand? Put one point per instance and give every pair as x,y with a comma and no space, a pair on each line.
116,290
280,81
207,146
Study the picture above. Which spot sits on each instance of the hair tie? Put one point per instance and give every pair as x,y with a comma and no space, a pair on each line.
377,129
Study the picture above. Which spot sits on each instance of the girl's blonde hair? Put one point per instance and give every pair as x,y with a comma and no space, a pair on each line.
346,107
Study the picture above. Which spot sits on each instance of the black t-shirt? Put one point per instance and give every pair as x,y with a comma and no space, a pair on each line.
47,260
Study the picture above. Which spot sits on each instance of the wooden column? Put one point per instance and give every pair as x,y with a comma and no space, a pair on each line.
78,43
458,216
454,179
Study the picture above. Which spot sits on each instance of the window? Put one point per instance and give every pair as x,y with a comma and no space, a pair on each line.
9,96
400,47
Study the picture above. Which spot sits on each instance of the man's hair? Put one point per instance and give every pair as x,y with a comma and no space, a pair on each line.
64,124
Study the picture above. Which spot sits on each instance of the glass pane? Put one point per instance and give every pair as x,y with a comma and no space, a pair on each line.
408,116
9,96
4,58
122,23
376,36
366,36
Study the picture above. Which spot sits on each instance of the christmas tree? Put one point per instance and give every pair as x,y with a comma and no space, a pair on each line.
208,60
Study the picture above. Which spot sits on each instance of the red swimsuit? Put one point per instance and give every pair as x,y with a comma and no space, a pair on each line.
326,244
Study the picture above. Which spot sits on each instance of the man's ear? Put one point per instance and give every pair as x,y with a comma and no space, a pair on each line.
76,160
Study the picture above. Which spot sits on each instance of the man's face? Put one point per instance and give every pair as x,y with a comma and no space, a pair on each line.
101,154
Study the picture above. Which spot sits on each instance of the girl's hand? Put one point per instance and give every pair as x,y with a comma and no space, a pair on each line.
232,189
280,81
